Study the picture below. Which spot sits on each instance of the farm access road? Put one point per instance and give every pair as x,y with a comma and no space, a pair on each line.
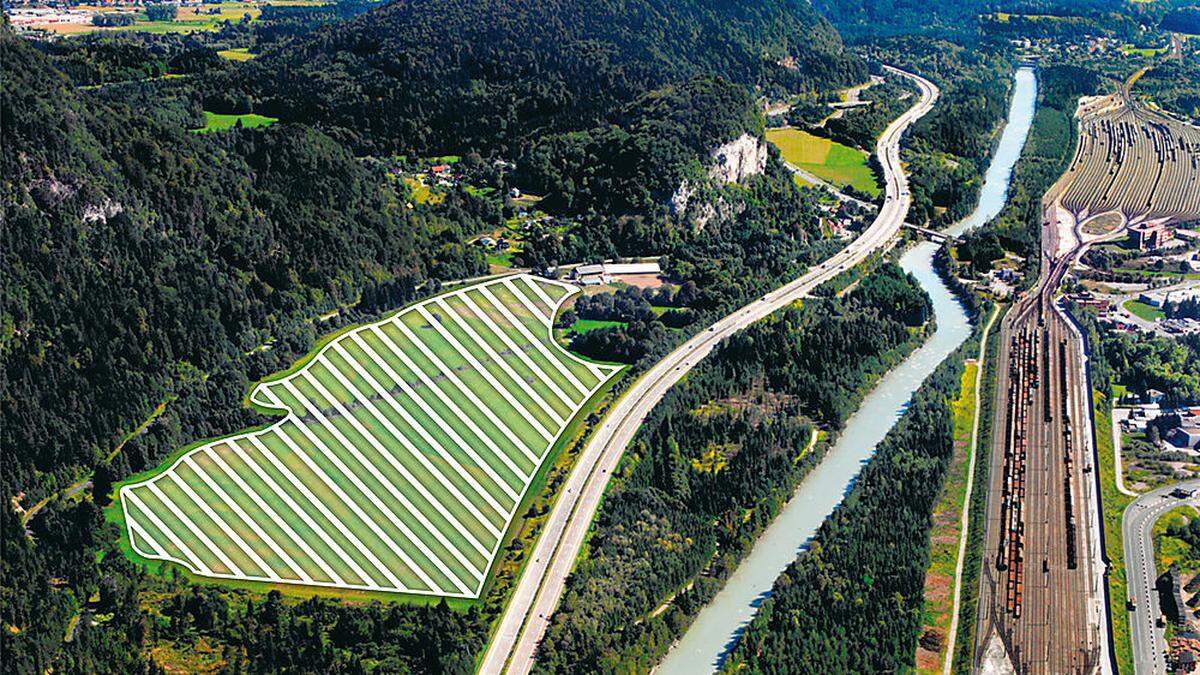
514,644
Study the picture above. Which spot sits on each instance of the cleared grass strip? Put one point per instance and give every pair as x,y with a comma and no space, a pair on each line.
522,387
536,288
375,411
217,551
275,518
198,565
449,375
598,372
338,523
238,540
250,522
576,372
408,418
399,495
449,430
542,374
504,393
411,531
321,447
521,425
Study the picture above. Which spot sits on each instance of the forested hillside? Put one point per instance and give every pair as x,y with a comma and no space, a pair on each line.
144,265
430,77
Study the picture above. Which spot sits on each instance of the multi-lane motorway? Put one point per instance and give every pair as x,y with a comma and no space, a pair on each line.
1136,525
514,644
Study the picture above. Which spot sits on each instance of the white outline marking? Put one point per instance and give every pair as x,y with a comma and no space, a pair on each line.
537,344
135,509
135,500
522,385
152,486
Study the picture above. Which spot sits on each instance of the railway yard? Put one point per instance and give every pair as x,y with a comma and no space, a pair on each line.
1042,596
1036,613
1135,161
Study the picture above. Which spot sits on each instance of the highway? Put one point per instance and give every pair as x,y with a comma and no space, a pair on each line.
1136,526
514,644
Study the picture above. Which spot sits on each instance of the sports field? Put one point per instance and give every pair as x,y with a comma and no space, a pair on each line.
406,449
839,164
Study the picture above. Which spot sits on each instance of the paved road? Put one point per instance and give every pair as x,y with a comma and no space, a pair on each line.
541,585
1136,526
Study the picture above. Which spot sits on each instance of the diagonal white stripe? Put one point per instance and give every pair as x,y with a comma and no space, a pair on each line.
200,567
383,419
524,331
398,494
271,513
442,424
452,377
196,531
521,384
236,538
136,528
337,549
241,513
370,494
541,294
512,346
387,540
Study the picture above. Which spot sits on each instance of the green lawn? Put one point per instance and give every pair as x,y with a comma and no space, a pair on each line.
587,325
1170,550
839,164
407,448
1143,311
219,122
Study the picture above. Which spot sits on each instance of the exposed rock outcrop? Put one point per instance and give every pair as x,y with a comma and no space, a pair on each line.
732,162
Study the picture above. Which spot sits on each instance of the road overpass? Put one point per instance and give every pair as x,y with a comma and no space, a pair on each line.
525,619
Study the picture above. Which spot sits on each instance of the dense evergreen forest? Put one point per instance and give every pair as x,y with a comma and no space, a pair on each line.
714,463
431,77
852,601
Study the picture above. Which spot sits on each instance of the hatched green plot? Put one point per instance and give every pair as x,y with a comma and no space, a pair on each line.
406,449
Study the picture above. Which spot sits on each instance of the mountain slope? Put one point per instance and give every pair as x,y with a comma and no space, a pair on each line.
429,75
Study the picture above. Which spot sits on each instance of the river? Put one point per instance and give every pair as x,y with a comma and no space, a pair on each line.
718,626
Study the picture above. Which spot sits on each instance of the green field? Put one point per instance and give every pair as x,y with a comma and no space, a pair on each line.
219,122
830,161
406,450
1143,311
239,54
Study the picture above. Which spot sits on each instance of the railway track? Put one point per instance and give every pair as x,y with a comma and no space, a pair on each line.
1039,574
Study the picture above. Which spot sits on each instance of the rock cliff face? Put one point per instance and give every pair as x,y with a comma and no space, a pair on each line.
736,160
732,162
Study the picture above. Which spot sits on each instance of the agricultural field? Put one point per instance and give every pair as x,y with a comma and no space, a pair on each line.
406,450
828,160
218,122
